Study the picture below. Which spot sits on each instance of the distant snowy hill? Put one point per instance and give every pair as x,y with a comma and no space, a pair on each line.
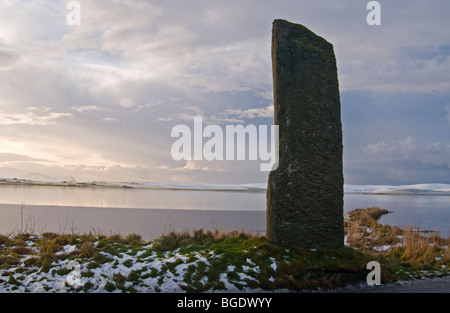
6,172
419,189
198,186
10,173
50,179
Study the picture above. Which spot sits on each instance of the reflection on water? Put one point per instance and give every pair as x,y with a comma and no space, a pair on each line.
132,198
117,209
423,212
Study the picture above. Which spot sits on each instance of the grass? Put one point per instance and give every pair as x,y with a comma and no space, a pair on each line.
205,261
407,247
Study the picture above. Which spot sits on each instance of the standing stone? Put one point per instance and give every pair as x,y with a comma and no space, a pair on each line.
305,194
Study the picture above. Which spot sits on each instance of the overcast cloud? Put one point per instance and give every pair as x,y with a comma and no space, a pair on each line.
98,101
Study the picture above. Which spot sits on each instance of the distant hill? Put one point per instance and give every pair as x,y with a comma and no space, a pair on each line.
7,173
10,173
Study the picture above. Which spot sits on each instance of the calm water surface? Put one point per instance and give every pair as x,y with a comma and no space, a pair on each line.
153,212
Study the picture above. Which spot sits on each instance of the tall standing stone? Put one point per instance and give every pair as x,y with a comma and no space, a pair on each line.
305,193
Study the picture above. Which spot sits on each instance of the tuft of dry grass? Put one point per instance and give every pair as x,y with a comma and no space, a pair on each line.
134,239
3,240
367,217
422,251
87,250
174,239
404,246
364,232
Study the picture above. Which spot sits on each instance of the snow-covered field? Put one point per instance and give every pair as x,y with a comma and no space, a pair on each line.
127,268
134,270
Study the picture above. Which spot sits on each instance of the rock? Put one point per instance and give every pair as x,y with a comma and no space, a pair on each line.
305,194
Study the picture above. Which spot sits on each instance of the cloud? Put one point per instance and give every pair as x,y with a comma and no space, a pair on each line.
203,48
126,103
406,147
215,15
230,116
44,109
238,116
190,111
438,153
192,165
164,119
89,108
253,113
7,60
31,118
447,108
154,64
13,157
109,119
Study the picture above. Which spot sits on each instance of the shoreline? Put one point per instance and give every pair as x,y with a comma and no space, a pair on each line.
131,185
418,190
148,222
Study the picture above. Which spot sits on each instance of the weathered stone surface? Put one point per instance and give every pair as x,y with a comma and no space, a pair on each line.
305,193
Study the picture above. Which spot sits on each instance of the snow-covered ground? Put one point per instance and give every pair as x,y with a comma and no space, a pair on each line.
143,270
140,271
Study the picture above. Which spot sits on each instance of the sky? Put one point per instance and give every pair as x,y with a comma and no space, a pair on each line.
98,101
